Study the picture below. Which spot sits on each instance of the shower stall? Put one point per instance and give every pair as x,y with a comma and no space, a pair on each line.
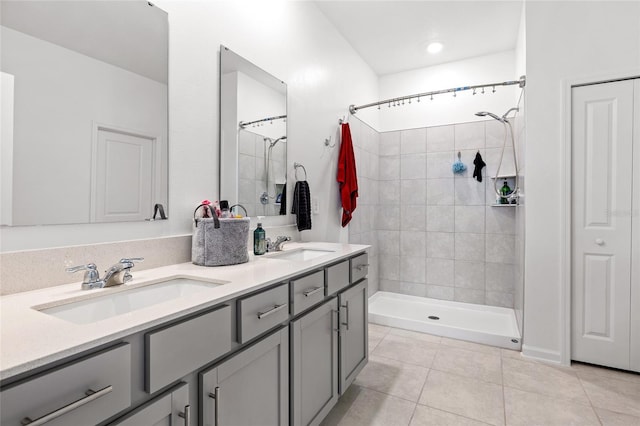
448,248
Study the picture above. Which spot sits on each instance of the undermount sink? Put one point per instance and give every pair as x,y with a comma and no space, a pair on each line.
299,254
104,306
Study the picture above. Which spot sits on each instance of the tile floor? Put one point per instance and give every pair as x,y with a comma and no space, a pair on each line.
419,379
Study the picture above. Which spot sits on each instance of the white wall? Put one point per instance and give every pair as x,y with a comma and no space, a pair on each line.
445,109
564,40
59,94
292,40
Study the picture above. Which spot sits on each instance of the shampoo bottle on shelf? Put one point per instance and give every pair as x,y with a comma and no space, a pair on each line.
504,192
259,241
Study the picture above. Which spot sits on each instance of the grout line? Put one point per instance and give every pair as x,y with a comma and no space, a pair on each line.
593,408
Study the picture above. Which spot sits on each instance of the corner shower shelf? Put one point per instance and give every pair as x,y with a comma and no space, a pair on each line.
504,205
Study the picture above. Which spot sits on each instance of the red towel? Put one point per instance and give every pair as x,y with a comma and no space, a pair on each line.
347,175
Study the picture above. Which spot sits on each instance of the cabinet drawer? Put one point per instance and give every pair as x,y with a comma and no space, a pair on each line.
261,312
359,267
307,291
177,350
84,392
337,277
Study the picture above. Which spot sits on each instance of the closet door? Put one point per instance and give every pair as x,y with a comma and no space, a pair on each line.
602,131
635,249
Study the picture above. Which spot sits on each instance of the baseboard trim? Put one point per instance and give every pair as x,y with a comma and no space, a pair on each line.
541,354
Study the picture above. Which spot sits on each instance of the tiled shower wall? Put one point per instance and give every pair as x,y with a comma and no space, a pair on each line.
366,142
252,177
437,234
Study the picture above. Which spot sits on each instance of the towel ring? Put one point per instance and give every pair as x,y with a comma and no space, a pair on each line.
298,165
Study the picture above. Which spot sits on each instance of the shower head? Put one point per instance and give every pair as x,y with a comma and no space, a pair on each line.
485,113
272,144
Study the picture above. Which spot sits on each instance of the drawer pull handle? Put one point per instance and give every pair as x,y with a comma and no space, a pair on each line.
346,307
216,401
312,291
91,396
273,310
186,415
361,267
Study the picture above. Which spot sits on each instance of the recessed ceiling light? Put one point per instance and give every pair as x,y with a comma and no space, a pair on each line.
434,47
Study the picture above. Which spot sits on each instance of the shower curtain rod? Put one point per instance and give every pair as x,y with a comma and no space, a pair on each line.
520,82
242,124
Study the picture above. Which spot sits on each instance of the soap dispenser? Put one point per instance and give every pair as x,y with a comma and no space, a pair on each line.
259,241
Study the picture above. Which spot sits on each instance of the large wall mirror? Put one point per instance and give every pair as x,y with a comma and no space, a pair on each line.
84,111
253,136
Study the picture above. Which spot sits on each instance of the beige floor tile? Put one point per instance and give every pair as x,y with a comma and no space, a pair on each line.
464,396
609,418
477,365
508,353
393,377
378,330
371,408
340,410
427,416
613,394
376,334
470,346
545,379
407,349
587,370
528,408
424,337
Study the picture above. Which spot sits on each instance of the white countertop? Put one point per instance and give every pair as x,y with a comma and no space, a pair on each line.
31,339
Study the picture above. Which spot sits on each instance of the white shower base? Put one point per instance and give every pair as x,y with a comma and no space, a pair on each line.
489,325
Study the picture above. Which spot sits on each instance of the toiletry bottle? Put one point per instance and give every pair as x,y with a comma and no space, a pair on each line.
505,191
224,209
259,241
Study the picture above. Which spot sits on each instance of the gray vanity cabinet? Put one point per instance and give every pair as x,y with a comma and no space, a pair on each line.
354,352
249,388
83,392
314,364
170,408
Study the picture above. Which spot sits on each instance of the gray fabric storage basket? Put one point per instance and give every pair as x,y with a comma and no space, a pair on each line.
224,244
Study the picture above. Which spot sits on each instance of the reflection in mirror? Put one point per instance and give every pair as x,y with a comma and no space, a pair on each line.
84,111
253,136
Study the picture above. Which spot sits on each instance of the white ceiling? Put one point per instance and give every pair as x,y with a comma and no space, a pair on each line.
392,36
128,34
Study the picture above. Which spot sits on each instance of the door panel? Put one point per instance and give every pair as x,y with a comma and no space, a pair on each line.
123,177
353,333
164,410
252,386
314,364
635,249
601,236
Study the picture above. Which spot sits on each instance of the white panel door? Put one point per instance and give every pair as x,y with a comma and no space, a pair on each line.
635,249
123,177
602,129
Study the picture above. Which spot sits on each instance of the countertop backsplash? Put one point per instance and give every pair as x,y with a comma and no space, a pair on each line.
36,269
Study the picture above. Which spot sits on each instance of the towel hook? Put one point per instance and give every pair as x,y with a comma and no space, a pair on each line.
296,166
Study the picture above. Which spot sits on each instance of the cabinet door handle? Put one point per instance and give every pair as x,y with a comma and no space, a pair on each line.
186,415
273,310
346,307
90,396
216,404
312,291
361,267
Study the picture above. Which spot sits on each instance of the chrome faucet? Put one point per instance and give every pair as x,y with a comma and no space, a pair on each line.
118,274
277,244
